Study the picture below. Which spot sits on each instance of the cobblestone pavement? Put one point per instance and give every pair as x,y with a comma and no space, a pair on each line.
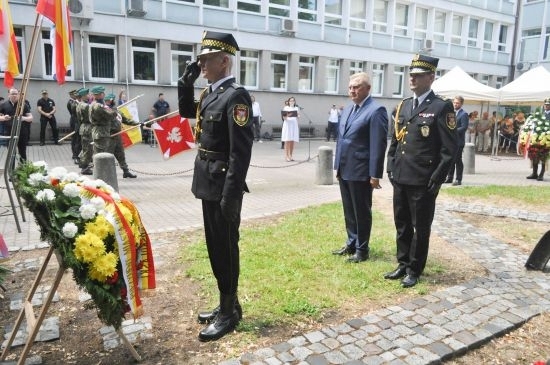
423,331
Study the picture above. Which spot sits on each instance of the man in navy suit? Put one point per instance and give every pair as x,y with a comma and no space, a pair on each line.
359,163
461,127
422,149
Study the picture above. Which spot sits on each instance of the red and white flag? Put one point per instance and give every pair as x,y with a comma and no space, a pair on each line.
174,135
9,52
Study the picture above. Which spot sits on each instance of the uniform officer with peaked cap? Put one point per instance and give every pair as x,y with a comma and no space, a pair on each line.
224,136
424,142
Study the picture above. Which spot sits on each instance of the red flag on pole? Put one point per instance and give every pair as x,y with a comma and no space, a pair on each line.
9,52
62,39
174,135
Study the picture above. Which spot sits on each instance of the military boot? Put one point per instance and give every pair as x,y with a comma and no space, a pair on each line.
541,175
225,322
534,175
128,174
207,317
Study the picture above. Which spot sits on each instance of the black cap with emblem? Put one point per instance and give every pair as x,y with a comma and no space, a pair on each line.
422,64
218,42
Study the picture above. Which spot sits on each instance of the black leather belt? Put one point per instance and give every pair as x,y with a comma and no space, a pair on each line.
213,155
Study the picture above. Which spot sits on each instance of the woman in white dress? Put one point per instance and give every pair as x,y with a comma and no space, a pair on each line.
290,133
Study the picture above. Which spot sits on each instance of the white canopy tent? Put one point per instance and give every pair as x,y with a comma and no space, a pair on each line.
458,82
532,86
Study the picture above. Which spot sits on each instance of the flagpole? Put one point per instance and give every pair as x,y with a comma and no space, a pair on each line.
171,114
129,101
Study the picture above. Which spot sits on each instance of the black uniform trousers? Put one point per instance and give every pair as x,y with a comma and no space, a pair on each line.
413,209
357,204
53,124
222,243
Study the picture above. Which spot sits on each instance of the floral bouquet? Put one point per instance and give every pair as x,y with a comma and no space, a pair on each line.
534,136
98,234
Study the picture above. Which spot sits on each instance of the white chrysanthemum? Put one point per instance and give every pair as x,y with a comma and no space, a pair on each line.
71,190
89,183
45,195
58,172
40,164
35,179
115,196
69,230
98,202
71,177
87,211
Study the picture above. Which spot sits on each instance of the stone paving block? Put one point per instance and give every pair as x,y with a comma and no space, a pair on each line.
331,343
282,347
297,341
317,360
359,334
403,343
425,354
344,339
286,357
353,352
271,361
30,360
264,353
371,328
385,344
388,356
442,350
356,323
134,330
336,357
300,352
373,360
390,334
385,324
315,336
318,348
343,328
468,339
372,318
49,331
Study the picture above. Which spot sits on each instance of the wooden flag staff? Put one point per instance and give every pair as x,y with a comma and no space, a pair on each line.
171,114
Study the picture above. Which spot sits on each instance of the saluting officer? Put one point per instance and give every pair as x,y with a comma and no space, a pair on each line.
423,145
224,136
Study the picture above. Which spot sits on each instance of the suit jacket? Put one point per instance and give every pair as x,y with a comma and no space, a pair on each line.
462,121
362,142
428,144
224,142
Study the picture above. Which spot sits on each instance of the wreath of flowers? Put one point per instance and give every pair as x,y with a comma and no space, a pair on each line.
534,136
80,217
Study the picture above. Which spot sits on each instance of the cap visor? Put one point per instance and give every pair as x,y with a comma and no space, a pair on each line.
208,51
419,71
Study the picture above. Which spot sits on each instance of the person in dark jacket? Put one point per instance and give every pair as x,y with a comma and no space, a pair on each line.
224,136
462,121
422,149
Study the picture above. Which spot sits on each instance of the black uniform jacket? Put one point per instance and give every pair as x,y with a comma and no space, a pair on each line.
224,139
423,142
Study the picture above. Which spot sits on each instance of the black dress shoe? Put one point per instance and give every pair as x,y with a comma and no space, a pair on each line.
396,274
346,250
128,174
409,280
220,327
359,256
532,176
207,317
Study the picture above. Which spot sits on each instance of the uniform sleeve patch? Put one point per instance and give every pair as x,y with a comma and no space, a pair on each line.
241,114
451,121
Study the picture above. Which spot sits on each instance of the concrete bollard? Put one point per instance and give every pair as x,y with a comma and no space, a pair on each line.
105,169
469,159
324,166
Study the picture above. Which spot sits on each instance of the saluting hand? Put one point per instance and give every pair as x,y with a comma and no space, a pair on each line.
191,73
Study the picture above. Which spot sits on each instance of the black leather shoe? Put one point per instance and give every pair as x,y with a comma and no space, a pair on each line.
540,178
87,171
409,280
448,181
128,174
457,183
396,274
221,326
346,250
207,317
532,176
359,256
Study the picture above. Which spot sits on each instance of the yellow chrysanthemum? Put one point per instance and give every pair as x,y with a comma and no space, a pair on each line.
87,247
126,213
103,267
100,227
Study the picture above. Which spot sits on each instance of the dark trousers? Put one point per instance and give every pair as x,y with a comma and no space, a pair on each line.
222,243
332,130
76,140
357,204
53,124
459,165
256,128
413,210
24,135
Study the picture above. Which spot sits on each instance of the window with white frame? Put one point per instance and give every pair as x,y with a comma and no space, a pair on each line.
502,38
485,79
18,32
306,70
47,53
279,66
144,60
279,8
380,16
530,41
401,19
421,23
307,10
357,14
253,6
102,58
456,31
499,81
333,12
473,32
439,26
398,81
218,3
377,79
333,76
180,55
488,35
356,67
249,69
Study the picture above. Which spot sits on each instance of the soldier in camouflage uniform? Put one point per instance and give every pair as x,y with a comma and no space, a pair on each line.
116,143
73,123
85,131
